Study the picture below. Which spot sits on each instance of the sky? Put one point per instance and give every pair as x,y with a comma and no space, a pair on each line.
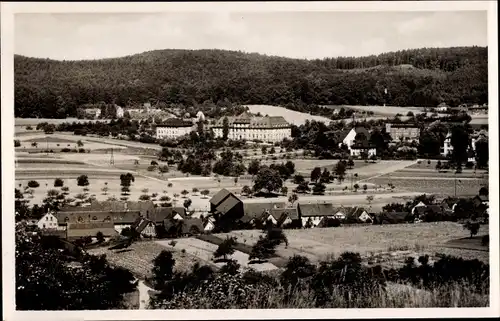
310,35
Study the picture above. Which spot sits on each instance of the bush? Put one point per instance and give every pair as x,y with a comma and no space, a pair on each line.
485,241
65,150
33,184
17,143
58,182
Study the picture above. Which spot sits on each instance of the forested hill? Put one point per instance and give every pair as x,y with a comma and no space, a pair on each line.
420,77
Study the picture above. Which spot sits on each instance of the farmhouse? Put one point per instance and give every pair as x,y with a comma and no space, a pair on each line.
92,112
315,212
256,210
208,225
227,205
403,132
247,127
159,214
144,226
48,221
173,128
286,216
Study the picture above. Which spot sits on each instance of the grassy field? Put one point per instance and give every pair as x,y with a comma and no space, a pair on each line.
291,116
320,243
35,121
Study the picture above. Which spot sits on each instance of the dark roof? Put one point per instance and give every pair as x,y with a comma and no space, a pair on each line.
220,196
393,217
256,209
126,217
282,213
141,223
83,217
190,223
175,122
228,204
365,144
161,213
112,206
324,209
246,219
90,229
254,121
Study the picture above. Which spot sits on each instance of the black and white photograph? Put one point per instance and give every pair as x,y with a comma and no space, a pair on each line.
249,156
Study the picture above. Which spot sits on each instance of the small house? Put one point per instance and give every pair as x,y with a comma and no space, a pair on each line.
48,221
287,217
144,226
208,225
315,212
227,205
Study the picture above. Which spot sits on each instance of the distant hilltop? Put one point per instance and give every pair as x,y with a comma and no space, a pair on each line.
417,77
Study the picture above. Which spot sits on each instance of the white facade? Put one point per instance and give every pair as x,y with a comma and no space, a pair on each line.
172,132
447,148
247,127
48,221
364,217
149,230
315,219
119,112
287,220
358,151
209,226
272,219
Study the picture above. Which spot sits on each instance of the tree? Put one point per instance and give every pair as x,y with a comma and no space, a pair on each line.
438,165
82,180
184,193
369,199
293,198
163,268
264,150
297,179
225,128
483,191
225,248
350,163
315,174
144,197
34,144
105,190
125,190
205,193
482,153
303,187
235,181
284,190
99,237
58,182
473,227
187,203
356,186
253,167
79,143
325,176
365,187
17,143
163,169
319,188
460,142
33,184
246,190
340,170
290,166
268,179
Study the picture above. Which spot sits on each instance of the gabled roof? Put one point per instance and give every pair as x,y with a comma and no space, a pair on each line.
83,216
228,204
126,217
256,209
246,219
393,217
220,196
291,212
323,209
140,224
161,213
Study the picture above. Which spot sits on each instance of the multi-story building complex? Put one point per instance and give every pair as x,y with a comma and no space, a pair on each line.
247,127
403,132
173,128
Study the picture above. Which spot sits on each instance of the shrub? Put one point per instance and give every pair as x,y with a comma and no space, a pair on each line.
33,184
17,143
58,182
485,241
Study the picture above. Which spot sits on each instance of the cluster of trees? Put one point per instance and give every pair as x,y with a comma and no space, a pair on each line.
343,281
419,77
45,280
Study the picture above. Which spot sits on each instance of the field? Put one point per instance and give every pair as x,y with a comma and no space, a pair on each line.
370,241
204,251
291,116
139,256
35,121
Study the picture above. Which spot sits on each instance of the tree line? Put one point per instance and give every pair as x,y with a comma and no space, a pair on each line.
420,77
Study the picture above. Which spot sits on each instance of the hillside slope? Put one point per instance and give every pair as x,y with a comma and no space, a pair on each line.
423,77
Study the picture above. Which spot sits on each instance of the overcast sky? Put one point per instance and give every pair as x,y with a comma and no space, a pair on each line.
309,35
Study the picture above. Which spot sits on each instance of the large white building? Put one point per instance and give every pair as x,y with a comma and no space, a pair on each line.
247,127
173,128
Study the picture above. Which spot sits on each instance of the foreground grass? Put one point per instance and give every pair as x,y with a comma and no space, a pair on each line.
394,296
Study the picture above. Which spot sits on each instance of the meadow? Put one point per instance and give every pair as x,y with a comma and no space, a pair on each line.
371,240
291,116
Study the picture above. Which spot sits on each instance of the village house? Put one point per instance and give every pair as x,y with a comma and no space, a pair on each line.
315,213
208,224
144,226
94,113
120,112
173,128
357,140
403,131
286,217
79,230
48,221
159,214
261,212
253,128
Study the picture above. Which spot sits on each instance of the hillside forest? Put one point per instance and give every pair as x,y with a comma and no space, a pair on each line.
418,77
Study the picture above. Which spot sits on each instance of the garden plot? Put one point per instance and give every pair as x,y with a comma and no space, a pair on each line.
204,251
